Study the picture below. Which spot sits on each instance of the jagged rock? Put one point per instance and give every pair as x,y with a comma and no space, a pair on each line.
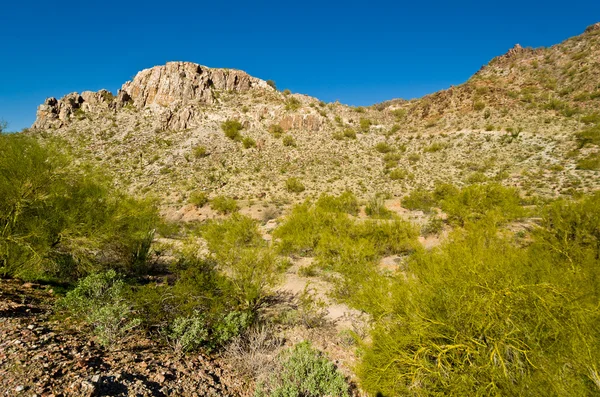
169,91
593,27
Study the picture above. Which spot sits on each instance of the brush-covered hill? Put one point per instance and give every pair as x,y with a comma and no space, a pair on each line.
182,128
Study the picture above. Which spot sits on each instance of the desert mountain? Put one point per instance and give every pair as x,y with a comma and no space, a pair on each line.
514,121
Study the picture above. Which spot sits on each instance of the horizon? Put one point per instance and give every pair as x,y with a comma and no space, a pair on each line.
355,55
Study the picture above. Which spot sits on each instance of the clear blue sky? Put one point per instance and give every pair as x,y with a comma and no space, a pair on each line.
358,52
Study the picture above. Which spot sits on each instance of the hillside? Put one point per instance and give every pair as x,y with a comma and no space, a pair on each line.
513,121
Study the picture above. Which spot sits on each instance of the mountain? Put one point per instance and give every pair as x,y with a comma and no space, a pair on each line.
514,121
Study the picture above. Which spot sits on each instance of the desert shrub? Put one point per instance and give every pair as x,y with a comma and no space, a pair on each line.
240,250
434,147
200,151
232,129
589,136
482,316
288,140
397,174
58,223
349,133
294,185
224,204
376,207
383,147
481,200
419,199
434,226
293,104
593,118
365,124
303,371
248,142
276,130
478,105
198,198
345,202
99,300
188,333
590,162
272,84
399,114
392,156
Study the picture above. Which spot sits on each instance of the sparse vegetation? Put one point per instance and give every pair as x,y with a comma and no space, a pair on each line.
232,129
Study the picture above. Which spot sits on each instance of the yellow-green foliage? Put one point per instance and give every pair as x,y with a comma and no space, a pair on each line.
224,204
294,185
589,136
246,258
62,224
232,129
481,315
340,243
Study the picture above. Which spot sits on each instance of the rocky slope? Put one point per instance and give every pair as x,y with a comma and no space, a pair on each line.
514,121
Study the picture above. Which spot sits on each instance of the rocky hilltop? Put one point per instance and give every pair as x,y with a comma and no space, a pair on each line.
169,91
514,121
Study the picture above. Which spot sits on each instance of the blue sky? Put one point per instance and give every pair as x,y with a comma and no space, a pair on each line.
357,52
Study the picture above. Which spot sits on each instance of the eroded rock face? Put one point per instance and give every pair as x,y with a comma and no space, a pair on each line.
169,91
185,82
593,27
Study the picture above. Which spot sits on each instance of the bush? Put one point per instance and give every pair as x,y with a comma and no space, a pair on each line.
419,199
232,129
288,140
589,136
591,162
99,299
376,208
294,185
349,133
272,84
398,174
61,224
188,333
345,202
241,251
276,130
303,371
481,315
200,152
383,147
198,198
248,142
365,125
293,104
224,204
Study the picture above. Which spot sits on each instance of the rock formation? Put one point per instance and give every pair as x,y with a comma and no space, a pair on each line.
166,90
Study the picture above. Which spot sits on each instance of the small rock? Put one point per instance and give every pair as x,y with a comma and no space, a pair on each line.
96,378
19,388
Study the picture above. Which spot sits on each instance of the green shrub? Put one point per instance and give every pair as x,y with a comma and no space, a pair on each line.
200,151
591,162
276,130
383,147
62,224
589,136
434,147
365,125
241,251
288,140
376,208
293,104
272,84
399,114
294,185
419,199
198,198
188,333
232,129
99,300
398,174
483,316
483,200
350,133
248,142
478,105
224,204
345,202
303,371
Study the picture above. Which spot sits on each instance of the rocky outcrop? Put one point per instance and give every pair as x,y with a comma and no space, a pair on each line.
169,91
593,28
186,82
308,122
